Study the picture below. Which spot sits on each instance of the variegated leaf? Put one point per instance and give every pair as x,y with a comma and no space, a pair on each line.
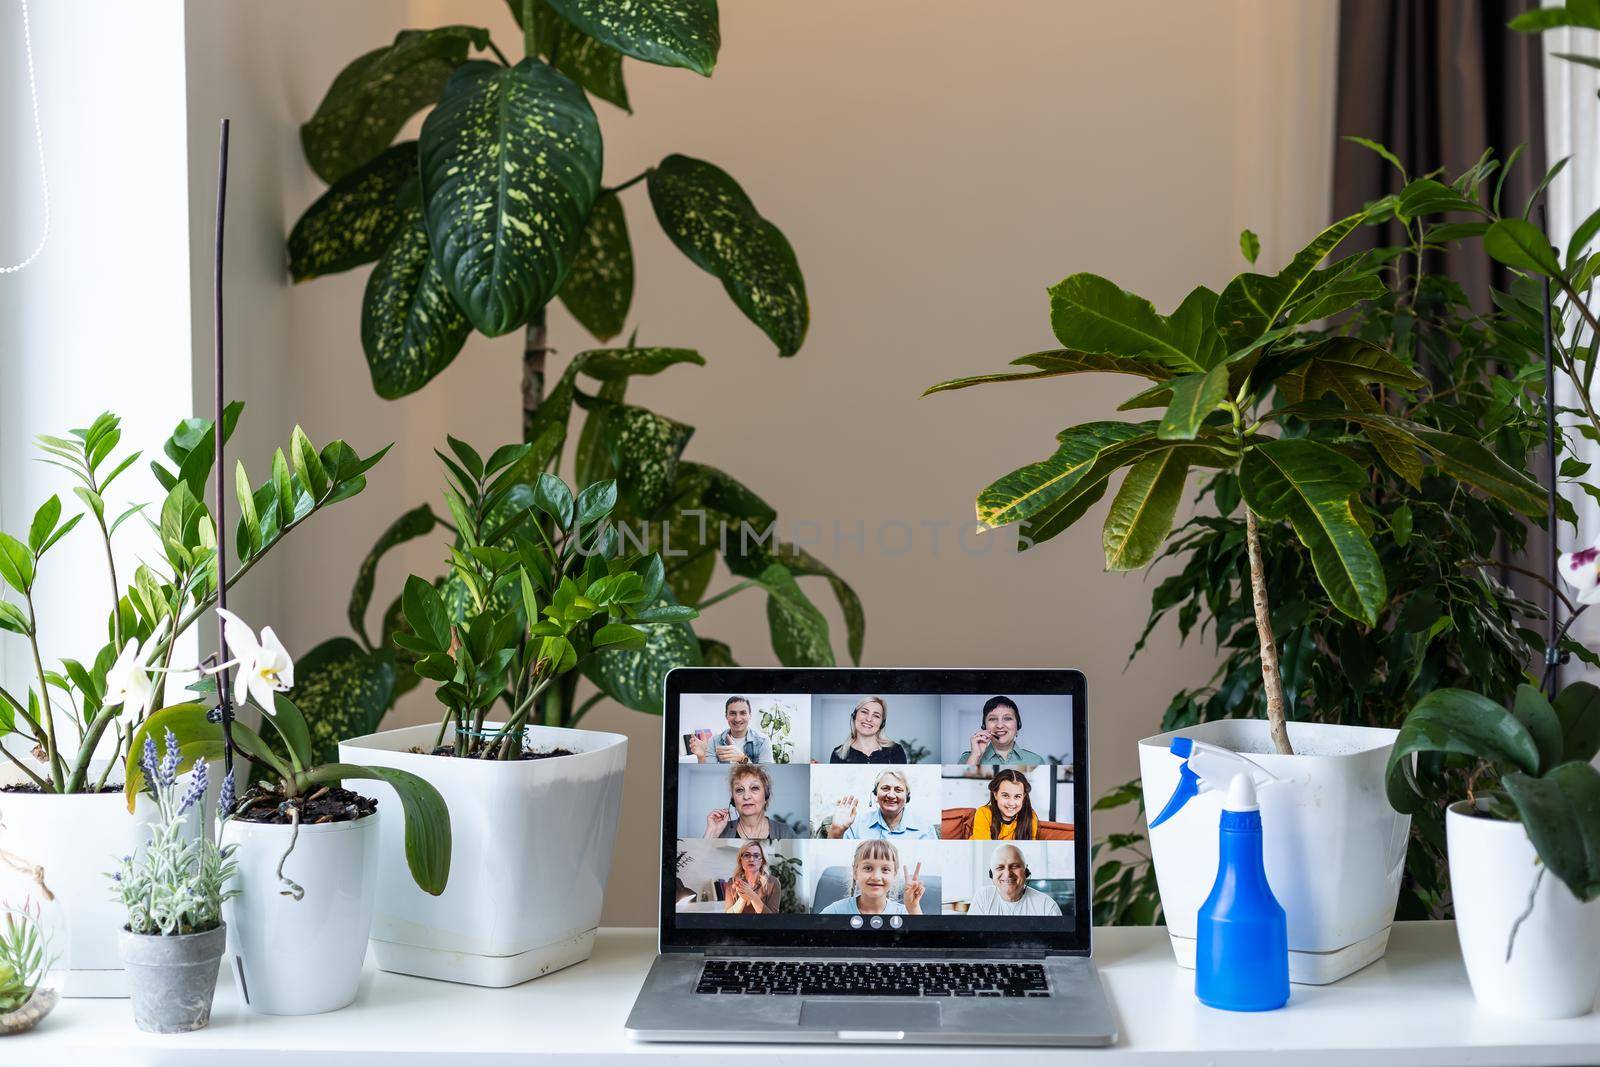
510,164
672,33
599,287
712,221
354,221
411,327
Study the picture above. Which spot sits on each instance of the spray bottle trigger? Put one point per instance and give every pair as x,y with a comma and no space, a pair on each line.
1188,786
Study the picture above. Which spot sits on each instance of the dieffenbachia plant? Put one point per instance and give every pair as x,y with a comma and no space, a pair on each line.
497,208
1237,374
84,708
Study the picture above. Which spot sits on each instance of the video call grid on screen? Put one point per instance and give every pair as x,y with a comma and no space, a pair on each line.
910,826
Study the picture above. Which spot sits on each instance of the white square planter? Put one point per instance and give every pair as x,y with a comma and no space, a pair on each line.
1334,849
531,851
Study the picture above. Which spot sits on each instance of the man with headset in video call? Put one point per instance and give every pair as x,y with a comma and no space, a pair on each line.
1008,891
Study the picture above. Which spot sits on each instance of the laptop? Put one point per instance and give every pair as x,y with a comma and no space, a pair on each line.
875,855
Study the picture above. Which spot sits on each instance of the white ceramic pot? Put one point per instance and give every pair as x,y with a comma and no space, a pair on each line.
531,850
1553,971
1333,847
301,957
78,840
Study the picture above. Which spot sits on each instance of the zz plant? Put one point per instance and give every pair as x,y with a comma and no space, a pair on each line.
69,711
1240,376
496,209
544,587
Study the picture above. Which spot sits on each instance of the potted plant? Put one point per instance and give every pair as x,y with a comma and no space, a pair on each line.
397,205
31,941
59,790
544,587
173,890
1215,367
305,847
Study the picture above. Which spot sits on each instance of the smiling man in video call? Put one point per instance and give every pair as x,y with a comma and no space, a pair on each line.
888,819
739,743
1008,891
996,740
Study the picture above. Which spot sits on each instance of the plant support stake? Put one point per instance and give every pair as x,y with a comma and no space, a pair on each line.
224,703
1552,653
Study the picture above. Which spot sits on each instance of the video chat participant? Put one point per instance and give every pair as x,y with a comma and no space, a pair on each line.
887,820
1009,815
752,890
1008,891
872,874
749,793
739,743
996,740
867,743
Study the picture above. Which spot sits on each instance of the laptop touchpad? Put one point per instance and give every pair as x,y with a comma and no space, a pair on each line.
868,1019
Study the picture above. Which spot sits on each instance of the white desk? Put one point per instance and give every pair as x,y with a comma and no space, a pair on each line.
1412,1007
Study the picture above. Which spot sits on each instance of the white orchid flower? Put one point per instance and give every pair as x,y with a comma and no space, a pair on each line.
1581,569
264,666
128,681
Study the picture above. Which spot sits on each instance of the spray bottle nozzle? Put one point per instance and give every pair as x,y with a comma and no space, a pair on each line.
1206,767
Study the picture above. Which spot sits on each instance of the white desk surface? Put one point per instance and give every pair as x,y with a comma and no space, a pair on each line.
1412,1007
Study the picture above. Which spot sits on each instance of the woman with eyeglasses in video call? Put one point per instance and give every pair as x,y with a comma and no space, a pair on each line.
872,875
752,889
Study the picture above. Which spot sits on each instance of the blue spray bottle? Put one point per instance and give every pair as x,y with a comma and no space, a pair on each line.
1242,949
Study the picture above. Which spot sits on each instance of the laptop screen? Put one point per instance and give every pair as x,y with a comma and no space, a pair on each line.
859,807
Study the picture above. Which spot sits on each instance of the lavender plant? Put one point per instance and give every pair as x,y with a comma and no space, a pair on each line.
176,885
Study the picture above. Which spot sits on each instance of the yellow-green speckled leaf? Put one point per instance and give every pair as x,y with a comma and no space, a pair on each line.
636,678
374,95
712,221
644,448
411,328
671,33
600,285
354,221
343,691
510,163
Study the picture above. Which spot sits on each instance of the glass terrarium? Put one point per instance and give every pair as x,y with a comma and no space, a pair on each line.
33,943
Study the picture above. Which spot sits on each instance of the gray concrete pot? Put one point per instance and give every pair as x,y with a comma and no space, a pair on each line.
172,979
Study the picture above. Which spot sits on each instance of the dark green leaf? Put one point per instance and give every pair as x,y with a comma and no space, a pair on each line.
510,165
1025,492
1090,314
427,820
672,33
636,678
1521,245
411,328
1534,712
599,287
799,631
711,220
1251,304
1058,362
1577,706
291,727
1456,721
1194,396
644,448
1317,490
613,364
198,739
1561,813
372,98
355,220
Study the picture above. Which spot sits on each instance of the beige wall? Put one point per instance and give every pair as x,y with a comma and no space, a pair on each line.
936,165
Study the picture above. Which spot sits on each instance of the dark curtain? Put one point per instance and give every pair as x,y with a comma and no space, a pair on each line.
1437,81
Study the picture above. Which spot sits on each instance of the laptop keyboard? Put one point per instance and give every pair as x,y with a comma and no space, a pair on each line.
848,978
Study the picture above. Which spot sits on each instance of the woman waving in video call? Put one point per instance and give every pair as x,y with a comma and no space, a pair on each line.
749,793
1009,815
867,743
752,889
872,875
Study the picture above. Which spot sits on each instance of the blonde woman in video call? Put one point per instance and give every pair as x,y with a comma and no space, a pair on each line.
749,793
1008,891
872,875
867,743
752,889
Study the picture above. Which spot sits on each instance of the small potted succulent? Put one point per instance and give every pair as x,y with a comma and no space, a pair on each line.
30,978
538,589
173,892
